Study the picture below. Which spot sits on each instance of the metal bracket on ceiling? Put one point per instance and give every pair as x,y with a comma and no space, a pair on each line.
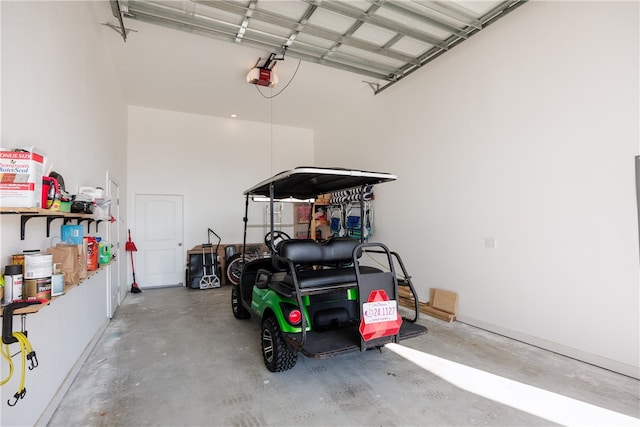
270,62
117,12
375,87
117,29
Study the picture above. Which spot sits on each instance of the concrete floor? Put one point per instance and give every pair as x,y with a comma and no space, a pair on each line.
176,356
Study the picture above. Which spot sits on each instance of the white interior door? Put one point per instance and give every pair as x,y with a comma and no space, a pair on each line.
159,261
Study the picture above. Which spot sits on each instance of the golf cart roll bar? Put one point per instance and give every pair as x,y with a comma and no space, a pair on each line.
405,277
245,219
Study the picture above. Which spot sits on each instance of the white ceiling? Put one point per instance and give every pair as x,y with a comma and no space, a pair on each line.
172,70
181,68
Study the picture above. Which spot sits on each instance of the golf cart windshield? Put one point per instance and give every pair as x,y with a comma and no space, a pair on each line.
309,182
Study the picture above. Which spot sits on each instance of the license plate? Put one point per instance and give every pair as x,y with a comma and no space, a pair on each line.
380,311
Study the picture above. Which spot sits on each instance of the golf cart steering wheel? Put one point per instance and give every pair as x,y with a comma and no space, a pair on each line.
272,238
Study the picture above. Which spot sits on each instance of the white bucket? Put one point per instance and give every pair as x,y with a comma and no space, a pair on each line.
37,266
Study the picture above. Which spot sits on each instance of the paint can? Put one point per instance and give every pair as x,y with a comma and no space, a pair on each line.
37,266
36,289
30,289
57,280
43,288
18,259
57,285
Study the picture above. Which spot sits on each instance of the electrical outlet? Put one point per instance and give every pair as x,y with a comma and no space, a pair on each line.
490,242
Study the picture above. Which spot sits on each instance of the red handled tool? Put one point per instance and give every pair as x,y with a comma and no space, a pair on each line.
131,247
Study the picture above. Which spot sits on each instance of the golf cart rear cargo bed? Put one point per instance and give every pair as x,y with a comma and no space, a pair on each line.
321,345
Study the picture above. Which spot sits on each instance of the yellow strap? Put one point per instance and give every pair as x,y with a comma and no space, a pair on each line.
7,356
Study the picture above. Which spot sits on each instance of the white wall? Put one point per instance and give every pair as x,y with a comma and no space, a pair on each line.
525,133
211,161
60,94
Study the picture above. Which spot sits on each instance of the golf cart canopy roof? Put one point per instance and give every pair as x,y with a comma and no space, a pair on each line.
309,182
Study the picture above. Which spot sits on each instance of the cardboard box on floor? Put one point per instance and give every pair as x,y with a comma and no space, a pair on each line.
442,304
442,300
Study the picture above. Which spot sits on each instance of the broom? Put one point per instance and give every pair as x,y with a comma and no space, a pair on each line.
131,247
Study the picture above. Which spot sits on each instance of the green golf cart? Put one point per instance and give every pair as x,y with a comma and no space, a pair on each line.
322,298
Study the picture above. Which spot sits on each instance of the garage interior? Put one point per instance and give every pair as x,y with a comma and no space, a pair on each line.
516,189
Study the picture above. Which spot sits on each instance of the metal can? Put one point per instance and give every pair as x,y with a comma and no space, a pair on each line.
12,283
43,289
18,259
30,289
37,289
57,284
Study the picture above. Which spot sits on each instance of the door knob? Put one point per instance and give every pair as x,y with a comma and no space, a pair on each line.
179,244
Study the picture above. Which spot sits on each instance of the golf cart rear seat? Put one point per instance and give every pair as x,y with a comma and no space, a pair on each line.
320,267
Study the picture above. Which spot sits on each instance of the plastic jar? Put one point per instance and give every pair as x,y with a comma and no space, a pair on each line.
105,252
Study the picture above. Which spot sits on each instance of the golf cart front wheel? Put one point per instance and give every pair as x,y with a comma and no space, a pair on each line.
239,312
277,356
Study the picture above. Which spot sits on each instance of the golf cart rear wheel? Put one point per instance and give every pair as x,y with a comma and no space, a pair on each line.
239,312
277,356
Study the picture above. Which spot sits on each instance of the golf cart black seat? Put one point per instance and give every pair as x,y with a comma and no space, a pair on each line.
321,266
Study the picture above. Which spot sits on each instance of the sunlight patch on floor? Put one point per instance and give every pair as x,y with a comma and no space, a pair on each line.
541,403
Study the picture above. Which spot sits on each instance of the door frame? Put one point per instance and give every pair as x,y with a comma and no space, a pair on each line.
114,270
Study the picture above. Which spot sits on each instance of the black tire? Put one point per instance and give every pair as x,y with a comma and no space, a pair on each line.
277,356
233,269
239,312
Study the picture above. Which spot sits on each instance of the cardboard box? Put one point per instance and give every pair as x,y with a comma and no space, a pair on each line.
21,179
446,301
